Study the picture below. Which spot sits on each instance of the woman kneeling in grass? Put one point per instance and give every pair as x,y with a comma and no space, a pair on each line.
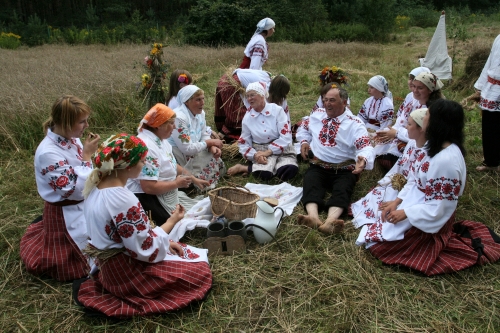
142,271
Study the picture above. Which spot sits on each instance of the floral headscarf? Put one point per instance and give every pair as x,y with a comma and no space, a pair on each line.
430,80
120,151
264,24
259,87
156,116
418,116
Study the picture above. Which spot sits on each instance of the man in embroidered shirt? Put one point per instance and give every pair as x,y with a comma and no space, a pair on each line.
338,148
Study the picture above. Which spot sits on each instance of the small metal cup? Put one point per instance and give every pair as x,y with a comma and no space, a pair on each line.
237,228
216,229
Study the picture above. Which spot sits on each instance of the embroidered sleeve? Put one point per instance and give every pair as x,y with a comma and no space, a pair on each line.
284,131
363,147
64,179
257,56
245,141
303,134
131,228
182,137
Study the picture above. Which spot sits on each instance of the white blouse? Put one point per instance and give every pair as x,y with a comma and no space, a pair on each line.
190,132
377,110
271,125
159,165
336,140
116,219
256,50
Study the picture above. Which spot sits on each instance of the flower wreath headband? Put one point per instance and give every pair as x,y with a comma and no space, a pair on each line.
183,79
333,74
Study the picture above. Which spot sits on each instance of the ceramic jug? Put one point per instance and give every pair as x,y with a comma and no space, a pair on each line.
264,225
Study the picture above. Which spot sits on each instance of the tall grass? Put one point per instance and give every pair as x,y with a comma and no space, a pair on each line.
317,283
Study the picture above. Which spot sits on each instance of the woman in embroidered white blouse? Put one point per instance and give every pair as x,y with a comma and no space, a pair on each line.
191,143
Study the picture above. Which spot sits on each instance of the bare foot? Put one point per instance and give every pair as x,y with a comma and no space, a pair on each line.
308,221
236,169
332,227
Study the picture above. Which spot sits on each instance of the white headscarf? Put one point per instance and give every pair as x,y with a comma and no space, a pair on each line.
264,24
418,116
380,83
259,87
419,70
185,93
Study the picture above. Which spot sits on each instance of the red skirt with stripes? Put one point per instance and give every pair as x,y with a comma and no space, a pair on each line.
48,249
127,287
443,252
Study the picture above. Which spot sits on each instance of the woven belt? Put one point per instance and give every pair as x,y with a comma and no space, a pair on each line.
374,122
332,166
493,81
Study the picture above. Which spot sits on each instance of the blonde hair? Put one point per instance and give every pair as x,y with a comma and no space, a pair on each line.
66,111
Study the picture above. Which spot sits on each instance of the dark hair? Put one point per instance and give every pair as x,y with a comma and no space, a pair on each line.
434,96
446,124
278,90
174,84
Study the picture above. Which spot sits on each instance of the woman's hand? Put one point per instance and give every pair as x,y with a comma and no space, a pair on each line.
176,248
388,207
396,216
200,183
90,146
260,157
383,136
216,151
175,216
183,181
214,142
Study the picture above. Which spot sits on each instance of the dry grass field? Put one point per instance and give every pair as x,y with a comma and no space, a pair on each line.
314,283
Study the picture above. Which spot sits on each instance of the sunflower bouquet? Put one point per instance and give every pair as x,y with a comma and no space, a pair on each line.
153,82
333,74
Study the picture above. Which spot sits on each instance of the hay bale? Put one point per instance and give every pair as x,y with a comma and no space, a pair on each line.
473,67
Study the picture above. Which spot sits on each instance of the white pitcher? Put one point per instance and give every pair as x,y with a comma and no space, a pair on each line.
264,225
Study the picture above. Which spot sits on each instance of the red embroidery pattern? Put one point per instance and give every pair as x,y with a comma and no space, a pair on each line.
329,132
362,142
489,105
125,225
374,233
442,189
285,129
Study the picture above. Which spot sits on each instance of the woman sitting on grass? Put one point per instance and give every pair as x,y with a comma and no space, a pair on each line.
424,235
142,271
178,80
52,246
192,143
266,140
366,210
392,141
158,183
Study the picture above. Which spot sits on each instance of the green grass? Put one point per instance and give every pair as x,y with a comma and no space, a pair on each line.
317,283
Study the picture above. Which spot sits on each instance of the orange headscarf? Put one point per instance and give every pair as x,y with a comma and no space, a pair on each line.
156,116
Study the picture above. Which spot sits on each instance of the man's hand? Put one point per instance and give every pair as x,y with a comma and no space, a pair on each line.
360,165
304,151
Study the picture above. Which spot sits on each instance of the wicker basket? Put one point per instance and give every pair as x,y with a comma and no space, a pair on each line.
234,203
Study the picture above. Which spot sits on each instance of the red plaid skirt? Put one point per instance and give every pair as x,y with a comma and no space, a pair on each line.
443,252
48,249
127,287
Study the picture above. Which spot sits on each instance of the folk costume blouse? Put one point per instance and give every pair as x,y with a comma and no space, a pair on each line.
397,145
116,220
159,165
271,125
377,113
430,197
366,210
336,140
60,173
256,50
190,132
489,80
